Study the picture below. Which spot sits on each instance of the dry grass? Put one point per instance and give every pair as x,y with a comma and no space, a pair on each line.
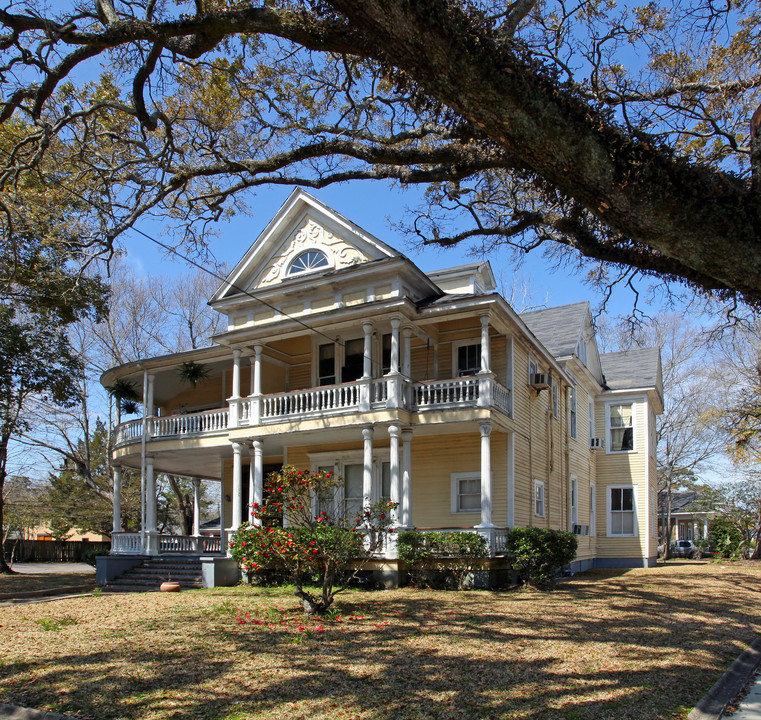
25,582
639,644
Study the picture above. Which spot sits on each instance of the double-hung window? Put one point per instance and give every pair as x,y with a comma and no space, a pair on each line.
326,364
572,411
466,492
468,359
555,398
574,502
539,498
621,421
622,514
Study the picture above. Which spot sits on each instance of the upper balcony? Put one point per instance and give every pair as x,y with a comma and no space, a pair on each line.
343,399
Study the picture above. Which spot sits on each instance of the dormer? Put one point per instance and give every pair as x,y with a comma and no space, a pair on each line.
472,279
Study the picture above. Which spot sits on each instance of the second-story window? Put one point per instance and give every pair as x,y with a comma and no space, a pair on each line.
572,411
326,364
386,353
354,360
621,423
468,359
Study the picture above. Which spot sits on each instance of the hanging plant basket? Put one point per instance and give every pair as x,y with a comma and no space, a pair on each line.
193,372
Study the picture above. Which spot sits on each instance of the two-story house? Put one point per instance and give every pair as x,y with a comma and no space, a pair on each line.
428,389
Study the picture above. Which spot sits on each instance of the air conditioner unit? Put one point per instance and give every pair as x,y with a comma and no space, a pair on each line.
540,381
596,443
581,529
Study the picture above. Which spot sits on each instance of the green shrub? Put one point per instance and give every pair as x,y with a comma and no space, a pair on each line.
724,536
441,559
538,555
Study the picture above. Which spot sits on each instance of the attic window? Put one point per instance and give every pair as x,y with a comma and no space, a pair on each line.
308,260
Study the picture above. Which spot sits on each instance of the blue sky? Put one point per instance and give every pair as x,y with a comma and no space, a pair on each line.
374,206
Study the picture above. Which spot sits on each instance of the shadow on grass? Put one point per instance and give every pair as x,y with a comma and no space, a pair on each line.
601,646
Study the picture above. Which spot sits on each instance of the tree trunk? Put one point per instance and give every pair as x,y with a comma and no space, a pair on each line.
5,569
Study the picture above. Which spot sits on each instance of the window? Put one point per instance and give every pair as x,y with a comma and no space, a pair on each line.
466,492
354,360
353,482
591,419
533,369
386,354
592,510
308,260
621,428
539,498
574,502
581,350
468,359
326,364
621,511
386,481
555,398
572,411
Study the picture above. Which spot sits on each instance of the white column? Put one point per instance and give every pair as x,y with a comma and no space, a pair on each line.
117,499
257,367
150,495
394,431
395,322
485,349
367,369
149,401
367,477
237,486
196,507
486,500
406,495
406,363
151,536
256,483
222,521
236,373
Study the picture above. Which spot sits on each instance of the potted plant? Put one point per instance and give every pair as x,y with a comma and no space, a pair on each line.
193,372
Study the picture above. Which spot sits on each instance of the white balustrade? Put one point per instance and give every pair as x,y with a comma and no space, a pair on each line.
126,543
458,391
128,432
501,398
331,398
207,421
379,392
189,544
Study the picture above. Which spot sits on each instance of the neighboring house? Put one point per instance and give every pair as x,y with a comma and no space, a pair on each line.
689,520
428,389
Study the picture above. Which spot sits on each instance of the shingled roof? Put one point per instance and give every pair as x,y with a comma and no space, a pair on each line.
558,328
629,369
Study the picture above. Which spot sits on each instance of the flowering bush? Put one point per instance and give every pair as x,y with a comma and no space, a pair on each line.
301,530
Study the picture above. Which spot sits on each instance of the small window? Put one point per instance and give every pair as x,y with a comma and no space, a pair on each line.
621,428
621,511
538,498
466,492
308,260
572,411
468,359
574,502
581,350
555,398
533,369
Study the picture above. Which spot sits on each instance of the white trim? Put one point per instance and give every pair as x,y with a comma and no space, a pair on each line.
455,492
539,484
608,429
573,411
592,509
609,512
510,479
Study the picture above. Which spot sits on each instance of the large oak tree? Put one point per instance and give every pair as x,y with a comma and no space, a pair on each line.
622,133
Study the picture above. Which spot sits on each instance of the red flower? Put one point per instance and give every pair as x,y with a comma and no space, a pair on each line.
315,551
383,517
391,530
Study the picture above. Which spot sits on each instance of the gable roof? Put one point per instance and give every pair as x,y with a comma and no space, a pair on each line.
558,328
302,223
681,502
630,369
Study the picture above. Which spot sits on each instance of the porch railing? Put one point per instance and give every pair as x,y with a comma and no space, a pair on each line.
332,399
189,544
126,543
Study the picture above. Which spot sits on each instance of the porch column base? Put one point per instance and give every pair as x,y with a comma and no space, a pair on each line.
151,543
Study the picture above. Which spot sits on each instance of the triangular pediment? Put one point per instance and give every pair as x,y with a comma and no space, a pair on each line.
302,226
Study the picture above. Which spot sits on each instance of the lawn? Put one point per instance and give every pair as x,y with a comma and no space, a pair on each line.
640,644
24,582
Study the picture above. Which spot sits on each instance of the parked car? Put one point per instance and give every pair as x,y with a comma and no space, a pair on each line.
685,549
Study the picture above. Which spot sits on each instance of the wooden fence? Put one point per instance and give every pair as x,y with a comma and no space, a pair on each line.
51,550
